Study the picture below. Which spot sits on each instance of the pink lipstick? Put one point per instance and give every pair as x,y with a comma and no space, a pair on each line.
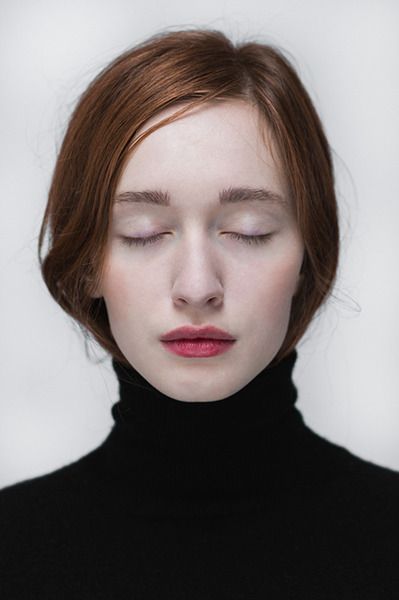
200,342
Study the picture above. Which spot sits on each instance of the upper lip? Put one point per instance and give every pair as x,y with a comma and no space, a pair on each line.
190,332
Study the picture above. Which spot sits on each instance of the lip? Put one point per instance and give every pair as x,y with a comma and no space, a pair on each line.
188,332
198,348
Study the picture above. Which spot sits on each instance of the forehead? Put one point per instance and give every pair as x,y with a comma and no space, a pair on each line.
217,146
236,111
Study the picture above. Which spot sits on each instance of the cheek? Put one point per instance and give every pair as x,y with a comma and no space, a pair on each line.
274,287
121,288
124,299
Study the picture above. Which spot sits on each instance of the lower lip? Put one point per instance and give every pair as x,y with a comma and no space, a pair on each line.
198,348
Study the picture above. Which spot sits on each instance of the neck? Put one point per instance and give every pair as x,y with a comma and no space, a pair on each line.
184,457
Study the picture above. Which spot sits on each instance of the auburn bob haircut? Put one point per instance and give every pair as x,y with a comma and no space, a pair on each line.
191,66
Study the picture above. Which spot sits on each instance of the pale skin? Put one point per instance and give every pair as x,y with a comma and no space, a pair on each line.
196,272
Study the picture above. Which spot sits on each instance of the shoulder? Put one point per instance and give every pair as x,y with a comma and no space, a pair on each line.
357,488
370,482
29,507
44,523
54,481
365,472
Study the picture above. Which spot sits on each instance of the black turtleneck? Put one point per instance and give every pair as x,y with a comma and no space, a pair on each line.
228,499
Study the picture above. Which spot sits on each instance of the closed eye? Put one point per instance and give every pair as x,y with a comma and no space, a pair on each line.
246,239
251,239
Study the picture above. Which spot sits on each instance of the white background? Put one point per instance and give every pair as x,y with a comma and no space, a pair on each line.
55,403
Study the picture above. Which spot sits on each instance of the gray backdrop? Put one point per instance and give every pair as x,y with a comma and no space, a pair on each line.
54,403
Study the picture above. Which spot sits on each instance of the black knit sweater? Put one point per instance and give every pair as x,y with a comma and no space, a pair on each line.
232,499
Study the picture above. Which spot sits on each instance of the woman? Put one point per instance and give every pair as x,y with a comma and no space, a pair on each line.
194,234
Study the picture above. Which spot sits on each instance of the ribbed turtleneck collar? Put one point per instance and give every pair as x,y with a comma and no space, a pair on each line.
150,413
180,458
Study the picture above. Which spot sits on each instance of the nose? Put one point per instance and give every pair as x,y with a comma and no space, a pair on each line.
197,280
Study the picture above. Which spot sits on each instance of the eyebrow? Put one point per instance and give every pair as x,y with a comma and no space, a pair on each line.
229,195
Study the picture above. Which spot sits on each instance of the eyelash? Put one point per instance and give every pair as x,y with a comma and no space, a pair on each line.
247,239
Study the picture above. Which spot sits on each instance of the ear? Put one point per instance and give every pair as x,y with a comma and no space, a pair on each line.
298,283
95,296
95,293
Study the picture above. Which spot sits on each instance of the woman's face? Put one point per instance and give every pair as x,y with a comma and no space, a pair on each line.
197,273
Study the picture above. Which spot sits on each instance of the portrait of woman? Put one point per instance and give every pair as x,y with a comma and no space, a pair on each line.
192,231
